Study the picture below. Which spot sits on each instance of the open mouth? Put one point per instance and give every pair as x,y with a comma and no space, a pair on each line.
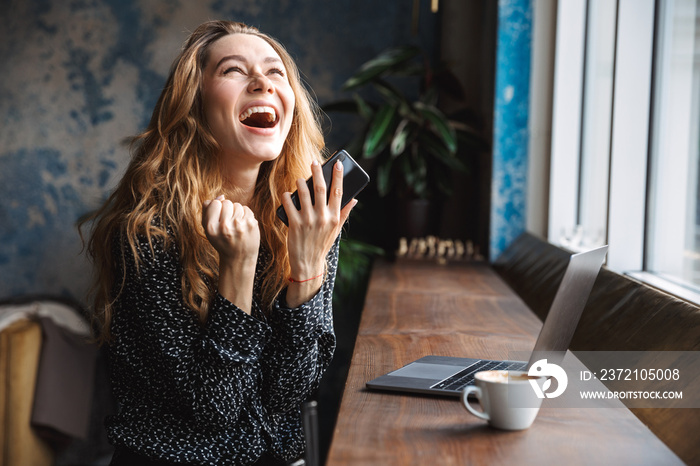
259,117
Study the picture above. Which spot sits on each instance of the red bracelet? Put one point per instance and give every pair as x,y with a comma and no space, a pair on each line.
307,280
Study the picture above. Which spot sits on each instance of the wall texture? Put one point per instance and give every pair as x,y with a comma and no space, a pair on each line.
79,76
510,124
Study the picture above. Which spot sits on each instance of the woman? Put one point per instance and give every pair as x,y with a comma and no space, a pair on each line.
218,316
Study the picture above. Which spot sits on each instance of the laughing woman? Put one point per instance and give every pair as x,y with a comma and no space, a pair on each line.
218,317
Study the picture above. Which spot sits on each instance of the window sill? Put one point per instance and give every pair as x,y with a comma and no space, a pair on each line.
669,285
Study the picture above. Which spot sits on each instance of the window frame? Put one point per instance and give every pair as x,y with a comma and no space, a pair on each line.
630,140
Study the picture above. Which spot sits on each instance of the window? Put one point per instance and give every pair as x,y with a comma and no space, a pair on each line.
673,246
596,121
626,137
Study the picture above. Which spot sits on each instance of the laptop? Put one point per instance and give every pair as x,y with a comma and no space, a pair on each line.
444,375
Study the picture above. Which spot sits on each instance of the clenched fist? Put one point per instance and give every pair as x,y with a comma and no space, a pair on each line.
233,231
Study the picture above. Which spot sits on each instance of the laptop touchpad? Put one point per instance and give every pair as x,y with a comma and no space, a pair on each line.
421,370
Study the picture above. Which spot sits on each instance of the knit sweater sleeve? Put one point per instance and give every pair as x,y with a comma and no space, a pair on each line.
301,345
209,372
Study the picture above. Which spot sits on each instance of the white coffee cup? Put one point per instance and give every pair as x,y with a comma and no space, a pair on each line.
508,400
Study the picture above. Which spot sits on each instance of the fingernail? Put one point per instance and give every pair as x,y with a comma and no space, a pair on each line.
207,202
220,198
314,162
339,165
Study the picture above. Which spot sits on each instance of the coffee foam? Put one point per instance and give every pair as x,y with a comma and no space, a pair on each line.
503,376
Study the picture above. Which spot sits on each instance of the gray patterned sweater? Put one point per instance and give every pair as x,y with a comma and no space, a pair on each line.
219,393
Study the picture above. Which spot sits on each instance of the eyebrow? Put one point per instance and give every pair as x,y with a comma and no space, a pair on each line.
241,58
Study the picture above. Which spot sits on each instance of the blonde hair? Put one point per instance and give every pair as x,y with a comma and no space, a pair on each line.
175,166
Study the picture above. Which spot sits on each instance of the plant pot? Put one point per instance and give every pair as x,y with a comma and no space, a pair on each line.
417,218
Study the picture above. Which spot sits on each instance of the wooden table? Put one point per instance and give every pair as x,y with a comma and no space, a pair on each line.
415,309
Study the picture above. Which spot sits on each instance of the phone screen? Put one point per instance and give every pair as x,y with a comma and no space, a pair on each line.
354,180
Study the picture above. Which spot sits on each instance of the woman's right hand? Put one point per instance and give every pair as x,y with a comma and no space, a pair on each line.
233,231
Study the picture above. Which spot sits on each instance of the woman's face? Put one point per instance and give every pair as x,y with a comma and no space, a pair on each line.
248,101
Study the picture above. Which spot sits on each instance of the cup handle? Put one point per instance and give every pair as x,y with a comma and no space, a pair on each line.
465,401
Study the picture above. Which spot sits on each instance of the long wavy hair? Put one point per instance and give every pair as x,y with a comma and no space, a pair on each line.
175,166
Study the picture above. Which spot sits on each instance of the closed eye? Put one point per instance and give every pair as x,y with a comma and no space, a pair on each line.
233,69
276,71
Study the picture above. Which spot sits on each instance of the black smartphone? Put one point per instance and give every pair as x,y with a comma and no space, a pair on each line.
354,180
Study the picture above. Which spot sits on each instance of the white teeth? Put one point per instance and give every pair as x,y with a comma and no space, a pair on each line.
271,115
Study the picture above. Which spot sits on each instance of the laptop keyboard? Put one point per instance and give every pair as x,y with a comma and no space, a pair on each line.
466,376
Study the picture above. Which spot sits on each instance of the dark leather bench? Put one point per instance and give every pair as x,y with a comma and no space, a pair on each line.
622,314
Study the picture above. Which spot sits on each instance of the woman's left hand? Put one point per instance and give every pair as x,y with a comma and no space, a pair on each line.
312,231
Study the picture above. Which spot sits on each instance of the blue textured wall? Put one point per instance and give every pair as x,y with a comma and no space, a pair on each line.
510,132
79,76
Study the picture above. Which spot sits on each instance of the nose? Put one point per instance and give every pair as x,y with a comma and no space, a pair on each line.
260,84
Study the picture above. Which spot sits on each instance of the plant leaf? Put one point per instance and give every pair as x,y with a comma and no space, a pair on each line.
355,258
384,178
390,60
398,142
414,172
380,130
392,94
442,126
437,148
470,136
430,96
363,108
363,248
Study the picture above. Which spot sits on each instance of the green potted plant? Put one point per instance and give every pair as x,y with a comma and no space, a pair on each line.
409,144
